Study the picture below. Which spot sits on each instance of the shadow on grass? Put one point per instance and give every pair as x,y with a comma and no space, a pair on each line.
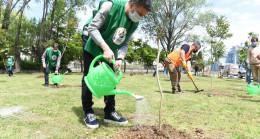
251,100
170,92
99,114
2,81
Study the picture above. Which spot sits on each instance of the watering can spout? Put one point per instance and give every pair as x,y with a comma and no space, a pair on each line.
63,75
116,92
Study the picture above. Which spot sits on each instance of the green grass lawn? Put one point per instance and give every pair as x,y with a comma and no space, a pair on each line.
57,112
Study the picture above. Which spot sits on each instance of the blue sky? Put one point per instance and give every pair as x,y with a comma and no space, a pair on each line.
243,16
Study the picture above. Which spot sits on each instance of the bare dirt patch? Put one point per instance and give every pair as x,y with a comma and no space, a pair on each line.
216,93
152,132
245,96
65,86
41,76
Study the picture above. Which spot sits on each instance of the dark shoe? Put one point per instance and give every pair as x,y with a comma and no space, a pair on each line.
46,85
114,118
91,121
176,92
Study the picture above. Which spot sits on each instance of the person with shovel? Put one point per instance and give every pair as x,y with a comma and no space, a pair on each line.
109,32
173,61
9,64
51,62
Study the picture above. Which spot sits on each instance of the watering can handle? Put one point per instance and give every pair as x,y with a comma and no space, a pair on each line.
113,61
255,83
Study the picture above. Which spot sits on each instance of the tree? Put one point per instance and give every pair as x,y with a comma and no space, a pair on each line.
184,16
242,53
131,55
218,32
147,54
8,10
17,51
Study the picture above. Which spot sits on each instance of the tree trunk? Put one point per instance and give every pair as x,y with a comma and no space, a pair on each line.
124,66
17,51
43,26
81,65
5,23
0,9
147,70
52,19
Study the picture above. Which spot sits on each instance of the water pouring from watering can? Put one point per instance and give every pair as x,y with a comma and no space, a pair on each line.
101,80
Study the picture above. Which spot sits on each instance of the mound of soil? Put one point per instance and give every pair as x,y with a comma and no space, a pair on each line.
152,132
245,96
41,76
65,86
216,93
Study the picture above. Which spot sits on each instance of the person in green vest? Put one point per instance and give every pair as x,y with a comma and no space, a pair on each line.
51,61
108,32
9,64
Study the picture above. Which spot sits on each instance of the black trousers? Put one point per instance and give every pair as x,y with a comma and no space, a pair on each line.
47,72
86,96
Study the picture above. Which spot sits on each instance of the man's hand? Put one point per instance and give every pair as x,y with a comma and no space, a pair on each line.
108,53
190,75
44,66
56,72
184,64
258,56
119,64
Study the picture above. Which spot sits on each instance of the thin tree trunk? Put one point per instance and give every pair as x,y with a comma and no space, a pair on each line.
7,15
0,9
43,26
157,65
81,65
211,85
17,51
52,19
124,66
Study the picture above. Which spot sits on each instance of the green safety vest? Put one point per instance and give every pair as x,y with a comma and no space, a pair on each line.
116,30
9,61
51,57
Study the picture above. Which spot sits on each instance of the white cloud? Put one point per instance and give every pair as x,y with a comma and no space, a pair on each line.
243,3
222,10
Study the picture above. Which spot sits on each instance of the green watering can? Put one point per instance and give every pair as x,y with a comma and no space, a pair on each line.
101,80
253,88
56,78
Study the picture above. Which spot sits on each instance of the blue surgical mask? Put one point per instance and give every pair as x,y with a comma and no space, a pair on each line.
254,43
135,17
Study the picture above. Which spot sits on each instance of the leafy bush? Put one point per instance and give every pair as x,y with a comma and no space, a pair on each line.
26,65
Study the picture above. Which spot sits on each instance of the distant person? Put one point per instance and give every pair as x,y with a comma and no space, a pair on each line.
51,61
165,70
241,70
252,60
173,63
154,67
9,64
197,69
109,32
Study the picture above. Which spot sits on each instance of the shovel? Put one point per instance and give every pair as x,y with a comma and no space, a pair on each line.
193,82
